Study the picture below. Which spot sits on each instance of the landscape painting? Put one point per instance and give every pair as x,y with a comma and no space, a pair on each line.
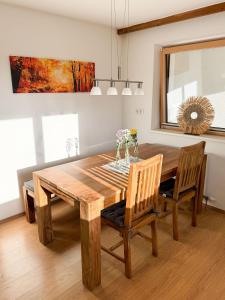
41,75
84,73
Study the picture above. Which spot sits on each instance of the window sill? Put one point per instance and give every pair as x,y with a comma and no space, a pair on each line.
205,137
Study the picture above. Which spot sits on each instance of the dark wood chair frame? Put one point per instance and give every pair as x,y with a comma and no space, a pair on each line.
187,183
142,197
29,207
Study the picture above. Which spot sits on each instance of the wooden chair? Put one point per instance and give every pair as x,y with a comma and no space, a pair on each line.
185,186
138,209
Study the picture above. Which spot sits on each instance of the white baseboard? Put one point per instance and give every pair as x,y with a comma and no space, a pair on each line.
10,209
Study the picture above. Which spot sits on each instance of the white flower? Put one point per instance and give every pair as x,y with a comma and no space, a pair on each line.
120,134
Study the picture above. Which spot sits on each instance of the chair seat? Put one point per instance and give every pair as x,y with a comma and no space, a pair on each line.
116,213
29,185
167,188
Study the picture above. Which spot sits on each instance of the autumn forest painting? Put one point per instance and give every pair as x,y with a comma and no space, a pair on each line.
41,75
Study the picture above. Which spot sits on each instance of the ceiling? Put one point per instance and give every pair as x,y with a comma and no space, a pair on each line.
98,11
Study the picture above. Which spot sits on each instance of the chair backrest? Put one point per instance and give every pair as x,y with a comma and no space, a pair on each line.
143,188
189,168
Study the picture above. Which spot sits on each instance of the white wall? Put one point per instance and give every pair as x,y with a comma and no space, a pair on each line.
144,65
36,34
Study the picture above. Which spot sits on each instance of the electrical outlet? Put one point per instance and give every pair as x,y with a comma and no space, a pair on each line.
139,111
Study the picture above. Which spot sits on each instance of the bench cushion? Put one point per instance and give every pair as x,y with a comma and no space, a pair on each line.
29,185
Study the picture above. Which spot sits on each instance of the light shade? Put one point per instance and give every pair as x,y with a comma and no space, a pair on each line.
95,91
127,91
139,90
112,91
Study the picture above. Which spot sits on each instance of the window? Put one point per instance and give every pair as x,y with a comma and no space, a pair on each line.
61,136
193,70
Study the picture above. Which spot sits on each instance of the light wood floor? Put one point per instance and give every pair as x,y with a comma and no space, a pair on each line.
193,268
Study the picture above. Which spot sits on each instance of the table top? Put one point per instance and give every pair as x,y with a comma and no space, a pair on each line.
86,180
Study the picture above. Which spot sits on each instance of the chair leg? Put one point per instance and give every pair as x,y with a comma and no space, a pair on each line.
194,211
154,239
175,222
127,254
29,206
165,206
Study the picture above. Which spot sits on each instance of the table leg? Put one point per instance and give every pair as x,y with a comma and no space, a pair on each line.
201,185
43,209
90,221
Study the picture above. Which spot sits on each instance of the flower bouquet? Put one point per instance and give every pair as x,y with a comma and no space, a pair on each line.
126,138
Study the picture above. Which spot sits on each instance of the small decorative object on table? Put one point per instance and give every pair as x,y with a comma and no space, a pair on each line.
195,115
133,133
126,138
119,143
123,138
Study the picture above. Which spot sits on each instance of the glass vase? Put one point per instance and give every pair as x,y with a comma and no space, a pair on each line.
127,155
118,157
136,152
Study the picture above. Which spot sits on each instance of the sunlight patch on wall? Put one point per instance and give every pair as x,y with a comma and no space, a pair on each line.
175,97
190,90
174,100
61,136
17,151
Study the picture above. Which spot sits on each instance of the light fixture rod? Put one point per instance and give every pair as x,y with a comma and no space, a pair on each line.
111,39
117,80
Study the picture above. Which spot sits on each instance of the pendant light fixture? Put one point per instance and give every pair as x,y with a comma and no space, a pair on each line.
112,90
127,90
95,91
139,90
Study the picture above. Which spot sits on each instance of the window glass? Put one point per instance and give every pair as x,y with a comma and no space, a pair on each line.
197,73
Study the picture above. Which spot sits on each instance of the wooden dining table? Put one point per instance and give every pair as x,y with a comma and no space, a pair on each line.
85,181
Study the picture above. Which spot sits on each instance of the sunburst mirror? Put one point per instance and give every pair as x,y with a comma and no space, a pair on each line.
195,115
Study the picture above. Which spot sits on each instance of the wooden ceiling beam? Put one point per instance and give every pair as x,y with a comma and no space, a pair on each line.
200,12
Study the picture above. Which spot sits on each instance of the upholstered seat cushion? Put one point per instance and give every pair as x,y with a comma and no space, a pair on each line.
29,185
116,213
167,188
